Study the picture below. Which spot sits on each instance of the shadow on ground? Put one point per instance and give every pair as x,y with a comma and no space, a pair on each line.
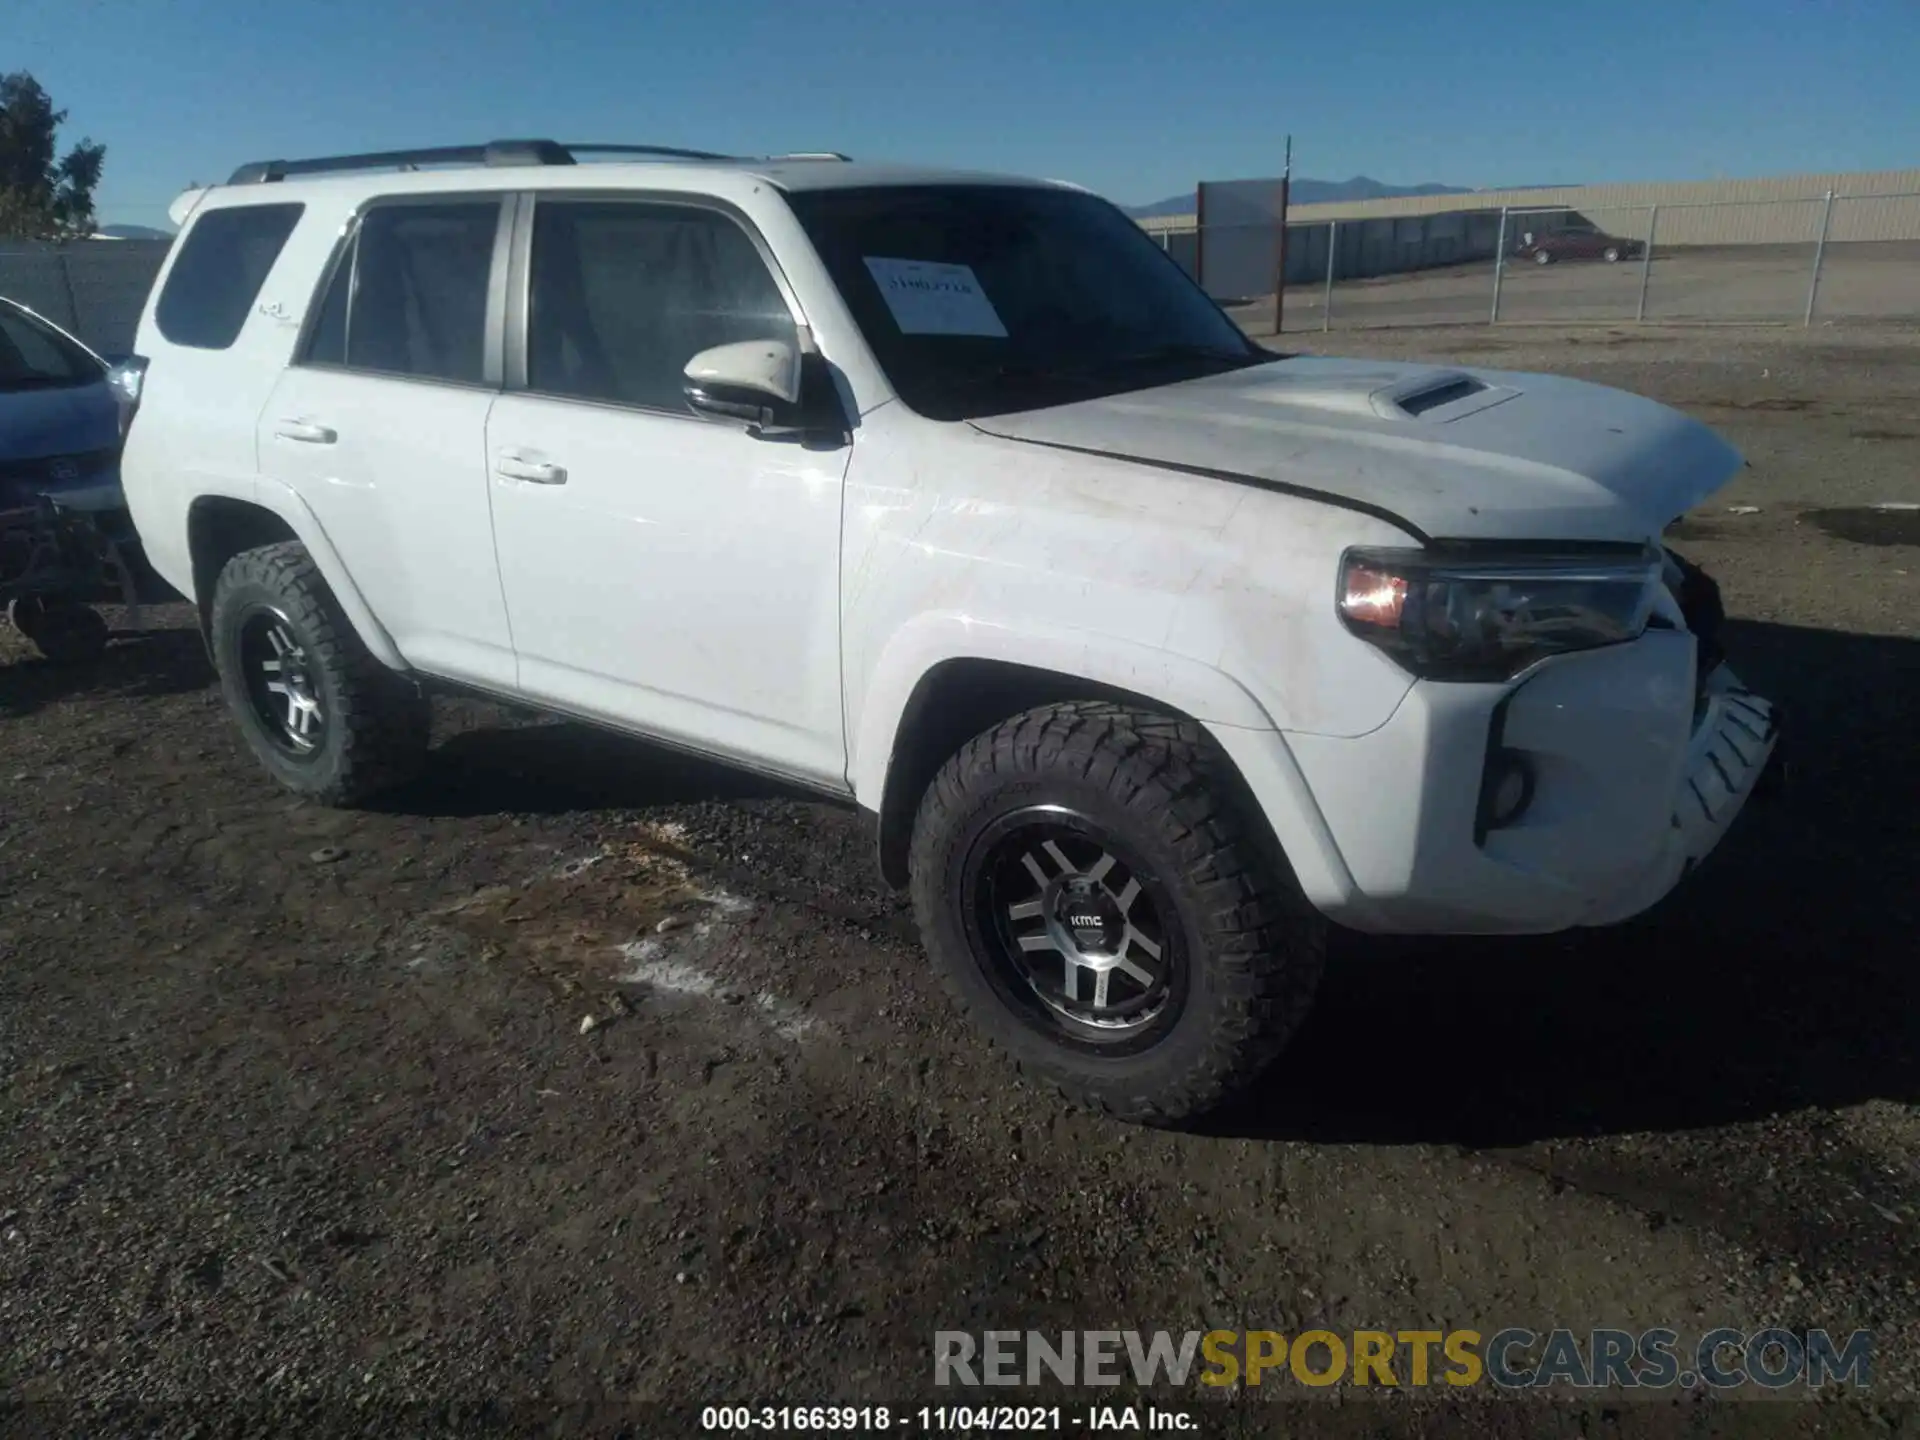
555,767
1780,976
135,666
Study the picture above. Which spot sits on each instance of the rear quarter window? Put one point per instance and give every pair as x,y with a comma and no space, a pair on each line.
222,264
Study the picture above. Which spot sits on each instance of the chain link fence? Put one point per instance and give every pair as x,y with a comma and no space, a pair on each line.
94,289
1806,261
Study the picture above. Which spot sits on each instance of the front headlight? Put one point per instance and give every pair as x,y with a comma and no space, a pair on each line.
1456,618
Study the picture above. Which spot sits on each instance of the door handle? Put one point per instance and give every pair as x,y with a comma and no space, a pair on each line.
534,472
305,431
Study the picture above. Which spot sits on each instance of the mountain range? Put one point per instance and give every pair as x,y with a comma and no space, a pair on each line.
133,232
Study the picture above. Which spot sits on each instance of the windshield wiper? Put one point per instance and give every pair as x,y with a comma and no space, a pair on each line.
1158,354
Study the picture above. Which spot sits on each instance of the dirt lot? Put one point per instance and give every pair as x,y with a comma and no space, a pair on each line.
1750,284
299,1108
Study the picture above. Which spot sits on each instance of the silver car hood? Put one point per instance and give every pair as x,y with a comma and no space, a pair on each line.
1446,453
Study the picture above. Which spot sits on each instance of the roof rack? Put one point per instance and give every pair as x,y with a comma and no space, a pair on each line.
494,152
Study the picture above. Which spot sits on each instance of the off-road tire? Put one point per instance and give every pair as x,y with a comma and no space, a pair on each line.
1255,947
65,632
377,721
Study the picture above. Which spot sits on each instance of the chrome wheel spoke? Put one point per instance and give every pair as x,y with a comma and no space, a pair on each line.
1052,847
1098,870
1133,972
1134,937
1071,981
1036,870
1027,910
1129,893
1041,941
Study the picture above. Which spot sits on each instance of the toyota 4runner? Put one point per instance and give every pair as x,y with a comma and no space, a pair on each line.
1149,651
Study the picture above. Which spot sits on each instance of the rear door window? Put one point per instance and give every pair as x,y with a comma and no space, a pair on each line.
222,264
409,293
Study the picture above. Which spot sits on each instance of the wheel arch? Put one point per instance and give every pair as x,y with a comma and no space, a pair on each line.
222,526
932,693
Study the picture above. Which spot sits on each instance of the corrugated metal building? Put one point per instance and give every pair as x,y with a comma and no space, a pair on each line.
1239,252
1776,210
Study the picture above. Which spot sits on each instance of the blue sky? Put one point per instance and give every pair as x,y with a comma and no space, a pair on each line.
1137,100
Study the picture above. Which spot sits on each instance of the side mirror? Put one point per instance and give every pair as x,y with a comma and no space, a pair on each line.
753,380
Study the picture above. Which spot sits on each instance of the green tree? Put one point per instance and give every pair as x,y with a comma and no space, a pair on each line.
43,195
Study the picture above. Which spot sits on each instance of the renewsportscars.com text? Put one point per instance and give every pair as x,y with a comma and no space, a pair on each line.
1513,1358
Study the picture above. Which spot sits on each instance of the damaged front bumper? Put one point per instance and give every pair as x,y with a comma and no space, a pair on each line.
1637,760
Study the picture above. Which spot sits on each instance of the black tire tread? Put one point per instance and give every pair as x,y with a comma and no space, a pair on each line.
382,720
1264,939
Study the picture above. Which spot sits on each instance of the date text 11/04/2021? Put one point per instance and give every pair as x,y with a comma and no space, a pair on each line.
947,1418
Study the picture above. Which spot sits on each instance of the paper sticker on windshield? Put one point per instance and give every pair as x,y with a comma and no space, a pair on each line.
929,298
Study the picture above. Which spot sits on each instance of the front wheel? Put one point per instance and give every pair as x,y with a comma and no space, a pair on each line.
326,719
1611,254
1097,892
1541,257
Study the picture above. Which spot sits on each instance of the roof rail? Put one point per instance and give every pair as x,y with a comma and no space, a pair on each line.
494,152
813,155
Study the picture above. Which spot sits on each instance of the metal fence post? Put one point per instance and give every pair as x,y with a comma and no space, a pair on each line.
1819,254
64,256
1646,263
1499,264
1333,244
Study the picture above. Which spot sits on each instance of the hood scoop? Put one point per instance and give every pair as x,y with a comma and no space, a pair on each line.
1438,398
1434,396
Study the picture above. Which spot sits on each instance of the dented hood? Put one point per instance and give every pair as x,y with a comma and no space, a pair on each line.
1447,453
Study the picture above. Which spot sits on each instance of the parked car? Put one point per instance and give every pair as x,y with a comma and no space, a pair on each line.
1145,651
63,410
1576,243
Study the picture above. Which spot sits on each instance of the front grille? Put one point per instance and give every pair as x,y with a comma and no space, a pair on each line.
1698,596
57,469
22,480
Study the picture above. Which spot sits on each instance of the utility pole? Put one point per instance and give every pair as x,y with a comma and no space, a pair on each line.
1280,259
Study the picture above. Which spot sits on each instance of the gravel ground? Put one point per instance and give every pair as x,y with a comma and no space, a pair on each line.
303,1112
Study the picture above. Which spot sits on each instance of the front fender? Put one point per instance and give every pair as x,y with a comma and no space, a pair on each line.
285,502
1183,684
1236,721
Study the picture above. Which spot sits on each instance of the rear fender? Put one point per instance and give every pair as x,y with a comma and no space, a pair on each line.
285,502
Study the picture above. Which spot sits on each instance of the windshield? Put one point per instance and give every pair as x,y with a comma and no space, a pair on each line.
984,299
36,357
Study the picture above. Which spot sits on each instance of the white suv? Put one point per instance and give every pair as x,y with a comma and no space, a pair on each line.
950,496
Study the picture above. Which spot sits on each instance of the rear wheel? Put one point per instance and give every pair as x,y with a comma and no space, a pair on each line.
65,631
326,719
1097,892
1610,254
